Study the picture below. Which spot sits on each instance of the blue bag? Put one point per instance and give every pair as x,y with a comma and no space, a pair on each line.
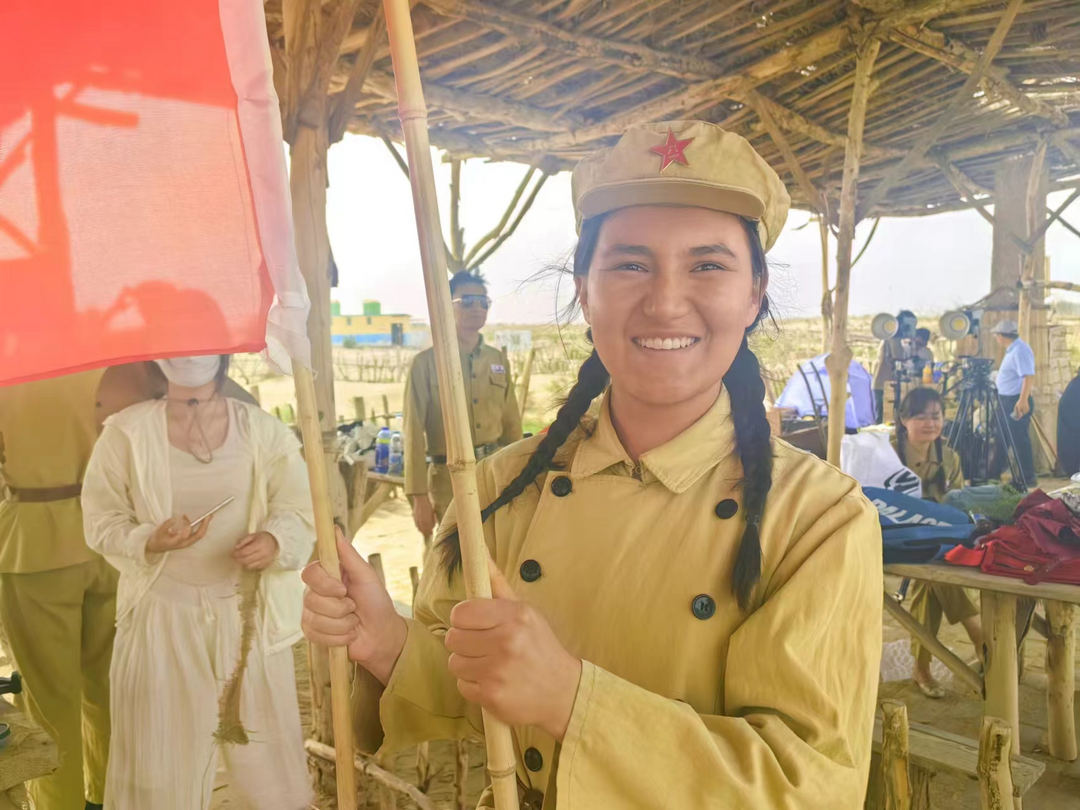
914,530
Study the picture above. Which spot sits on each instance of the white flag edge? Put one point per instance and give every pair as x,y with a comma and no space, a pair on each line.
247,49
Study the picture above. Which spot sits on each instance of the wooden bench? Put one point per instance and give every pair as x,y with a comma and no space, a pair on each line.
907,757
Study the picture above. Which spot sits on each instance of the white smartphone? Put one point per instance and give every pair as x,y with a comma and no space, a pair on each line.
195,523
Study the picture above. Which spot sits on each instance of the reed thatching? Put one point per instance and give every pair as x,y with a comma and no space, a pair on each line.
542,82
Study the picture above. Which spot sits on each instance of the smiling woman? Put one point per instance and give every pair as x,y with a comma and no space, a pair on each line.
686,611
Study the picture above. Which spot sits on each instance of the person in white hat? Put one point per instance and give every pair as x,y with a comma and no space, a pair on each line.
1015,383
687,611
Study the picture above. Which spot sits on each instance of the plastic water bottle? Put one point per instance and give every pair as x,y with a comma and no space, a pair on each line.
382,451
397,454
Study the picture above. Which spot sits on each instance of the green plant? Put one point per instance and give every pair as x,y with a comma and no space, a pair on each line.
349,342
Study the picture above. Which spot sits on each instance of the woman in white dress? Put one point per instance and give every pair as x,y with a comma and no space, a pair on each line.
157,466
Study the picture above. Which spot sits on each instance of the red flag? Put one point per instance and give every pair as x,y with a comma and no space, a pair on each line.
144,207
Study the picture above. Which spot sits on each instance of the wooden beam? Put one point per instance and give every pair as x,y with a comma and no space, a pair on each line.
495,232
477,106
995,82
950,659
793,121
961,97
959,181
919,12
530,29
344,103
840,355
1040,231
691,96
790,160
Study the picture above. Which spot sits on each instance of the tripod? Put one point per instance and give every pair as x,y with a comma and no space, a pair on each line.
978,395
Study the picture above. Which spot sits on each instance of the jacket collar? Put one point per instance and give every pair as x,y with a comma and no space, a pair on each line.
679,463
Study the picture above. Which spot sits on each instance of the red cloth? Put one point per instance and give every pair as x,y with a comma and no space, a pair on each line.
141,210
1042,544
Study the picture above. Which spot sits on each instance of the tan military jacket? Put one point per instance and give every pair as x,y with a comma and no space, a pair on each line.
47,431
684,702
933,488
493,409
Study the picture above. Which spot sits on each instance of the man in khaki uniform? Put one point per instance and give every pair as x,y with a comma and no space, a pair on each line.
493,408
57,597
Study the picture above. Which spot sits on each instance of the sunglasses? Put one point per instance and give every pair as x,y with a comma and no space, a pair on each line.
470,301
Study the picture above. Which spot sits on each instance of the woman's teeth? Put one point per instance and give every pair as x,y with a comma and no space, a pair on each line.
665,344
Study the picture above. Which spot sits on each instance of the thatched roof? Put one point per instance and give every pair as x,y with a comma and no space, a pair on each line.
545,81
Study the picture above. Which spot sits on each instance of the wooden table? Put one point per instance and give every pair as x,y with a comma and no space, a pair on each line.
998,596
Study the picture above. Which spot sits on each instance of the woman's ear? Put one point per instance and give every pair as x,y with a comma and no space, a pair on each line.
581,287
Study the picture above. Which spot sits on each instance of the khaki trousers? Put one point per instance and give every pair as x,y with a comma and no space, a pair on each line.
441,489
59,627
931,601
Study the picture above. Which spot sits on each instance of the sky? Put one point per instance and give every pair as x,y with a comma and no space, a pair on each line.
925,264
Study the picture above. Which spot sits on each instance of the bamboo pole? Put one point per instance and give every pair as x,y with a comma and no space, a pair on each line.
840,354
423,750
896,755
994,768
526,378
326,548
461,460
1061,679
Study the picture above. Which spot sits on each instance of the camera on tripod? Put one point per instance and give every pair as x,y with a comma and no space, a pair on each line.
979,433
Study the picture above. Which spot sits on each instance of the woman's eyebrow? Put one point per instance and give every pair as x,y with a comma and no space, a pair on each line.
709,250
632,250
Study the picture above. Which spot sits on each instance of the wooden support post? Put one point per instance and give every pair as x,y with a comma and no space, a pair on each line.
840,353
995,765
386,410
358,408
826,291
895,756
1061,679
1000,656
1034,204
339,669
790,160
456,259
526,378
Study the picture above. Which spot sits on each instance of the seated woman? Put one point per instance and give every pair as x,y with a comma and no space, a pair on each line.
178,637
920,447
688,611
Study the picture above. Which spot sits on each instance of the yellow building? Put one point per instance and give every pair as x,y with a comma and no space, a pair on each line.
372,327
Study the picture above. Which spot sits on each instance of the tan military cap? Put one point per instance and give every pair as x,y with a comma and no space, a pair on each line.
682,163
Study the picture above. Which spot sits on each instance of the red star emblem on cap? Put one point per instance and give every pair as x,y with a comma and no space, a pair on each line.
672,150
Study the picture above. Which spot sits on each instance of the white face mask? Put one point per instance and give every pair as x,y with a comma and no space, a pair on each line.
190,372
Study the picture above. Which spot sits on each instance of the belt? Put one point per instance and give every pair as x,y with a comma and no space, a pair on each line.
481,451
45,494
